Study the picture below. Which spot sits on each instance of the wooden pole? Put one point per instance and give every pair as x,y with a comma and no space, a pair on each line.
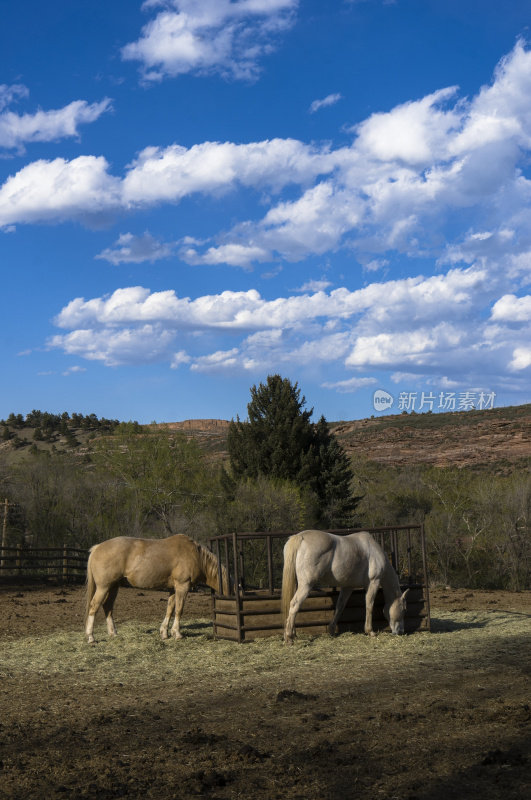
65,564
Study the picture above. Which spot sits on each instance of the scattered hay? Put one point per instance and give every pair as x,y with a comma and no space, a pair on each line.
138,656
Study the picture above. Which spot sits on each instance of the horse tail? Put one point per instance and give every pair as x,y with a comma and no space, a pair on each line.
289,577
90,584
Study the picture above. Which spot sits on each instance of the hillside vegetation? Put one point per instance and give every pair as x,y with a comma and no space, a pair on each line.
465,475
495,437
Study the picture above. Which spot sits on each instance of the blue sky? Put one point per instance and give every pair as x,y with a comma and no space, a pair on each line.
195,194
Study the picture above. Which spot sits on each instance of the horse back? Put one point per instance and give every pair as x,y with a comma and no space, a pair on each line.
146,563
351,560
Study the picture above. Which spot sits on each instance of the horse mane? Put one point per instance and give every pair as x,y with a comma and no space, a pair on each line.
390,580
209,565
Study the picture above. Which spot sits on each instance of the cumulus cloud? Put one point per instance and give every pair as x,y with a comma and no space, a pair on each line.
413,181
172,173
329,100
130,249
237,255
209,36
143,345
83,188
424,326
52,191
521,358
510,308
44,126
407,172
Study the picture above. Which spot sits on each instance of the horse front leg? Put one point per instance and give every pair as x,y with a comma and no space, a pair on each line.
342,600
296,601
370,596
181,590
166,620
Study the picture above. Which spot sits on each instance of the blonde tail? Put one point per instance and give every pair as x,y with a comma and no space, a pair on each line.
289,578
90,585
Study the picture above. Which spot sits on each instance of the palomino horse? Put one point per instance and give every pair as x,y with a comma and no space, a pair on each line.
314,558
175,563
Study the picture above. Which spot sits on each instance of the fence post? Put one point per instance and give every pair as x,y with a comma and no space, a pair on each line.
19,559
65,564
237,585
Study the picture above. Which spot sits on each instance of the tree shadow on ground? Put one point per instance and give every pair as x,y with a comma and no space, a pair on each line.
452,625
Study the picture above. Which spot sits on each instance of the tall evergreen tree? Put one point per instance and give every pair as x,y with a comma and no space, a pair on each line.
279,441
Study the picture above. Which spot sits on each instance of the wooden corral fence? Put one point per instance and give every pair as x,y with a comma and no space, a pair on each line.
255,562
56,564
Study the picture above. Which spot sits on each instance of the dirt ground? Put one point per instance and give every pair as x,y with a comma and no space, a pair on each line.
421,717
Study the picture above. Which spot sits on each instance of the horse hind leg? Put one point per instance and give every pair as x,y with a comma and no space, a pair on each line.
108,605
342,600
166,620
99,597
296,601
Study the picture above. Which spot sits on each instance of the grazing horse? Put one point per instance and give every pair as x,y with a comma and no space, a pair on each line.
314,558
175,563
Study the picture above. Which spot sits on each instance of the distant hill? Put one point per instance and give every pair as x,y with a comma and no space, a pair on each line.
464,438
499,437
461,438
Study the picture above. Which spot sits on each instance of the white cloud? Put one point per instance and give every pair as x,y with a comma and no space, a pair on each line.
9,94
169,174
180,358
413,179
375,264
390,304
510,308
421,346
209,36
237,255
76,370
221,360
423,326
350,385
405,174
329,100
314,286
136,249
52,191
46,126
521,358
416,133
142,345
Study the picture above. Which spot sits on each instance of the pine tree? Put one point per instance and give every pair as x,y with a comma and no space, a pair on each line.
279,441
277,435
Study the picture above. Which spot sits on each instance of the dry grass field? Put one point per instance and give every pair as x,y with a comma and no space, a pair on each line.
420,717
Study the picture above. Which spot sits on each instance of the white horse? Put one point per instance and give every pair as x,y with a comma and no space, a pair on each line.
317,558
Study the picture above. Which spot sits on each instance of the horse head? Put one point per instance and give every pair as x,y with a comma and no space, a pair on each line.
395,612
